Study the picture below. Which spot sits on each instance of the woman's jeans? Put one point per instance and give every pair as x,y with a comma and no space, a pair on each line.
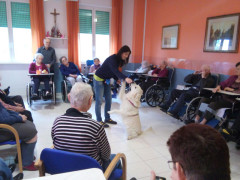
102,89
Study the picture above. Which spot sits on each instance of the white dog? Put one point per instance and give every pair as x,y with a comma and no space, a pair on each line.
130,103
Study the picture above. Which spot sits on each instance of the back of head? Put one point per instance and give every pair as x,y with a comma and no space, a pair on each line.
201,151
80,95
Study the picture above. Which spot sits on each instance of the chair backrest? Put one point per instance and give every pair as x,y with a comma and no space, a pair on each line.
170,74
89,62
58,161
216,78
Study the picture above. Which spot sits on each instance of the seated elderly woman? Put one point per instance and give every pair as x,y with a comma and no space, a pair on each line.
26,131
39,68
162,71
232,84
144,68
70,70
95,66
88,132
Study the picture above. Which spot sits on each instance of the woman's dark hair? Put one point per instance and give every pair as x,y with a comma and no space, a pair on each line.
62,58
201,151
237,64
119,55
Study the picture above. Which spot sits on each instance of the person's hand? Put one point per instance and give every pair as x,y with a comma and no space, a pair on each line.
20,109
45,72
48,65
24,118
228,89
128,80
75,76
216,89
197,72
153,175
155,75
17,104
118,81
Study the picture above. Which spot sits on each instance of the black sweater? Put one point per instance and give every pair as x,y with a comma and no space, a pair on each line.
109,69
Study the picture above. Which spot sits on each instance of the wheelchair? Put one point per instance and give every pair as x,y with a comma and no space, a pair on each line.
188,111
41,91
66,86
156,93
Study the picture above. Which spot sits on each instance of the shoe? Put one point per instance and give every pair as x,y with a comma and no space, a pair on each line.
35,96
163,107
104,124
31,167
110,121
173,115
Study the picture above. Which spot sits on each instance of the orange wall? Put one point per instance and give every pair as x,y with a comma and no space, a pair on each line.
138,25
191,15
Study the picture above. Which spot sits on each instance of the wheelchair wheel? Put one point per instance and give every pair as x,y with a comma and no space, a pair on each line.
29,94
154,95
192,108
64,91
54,93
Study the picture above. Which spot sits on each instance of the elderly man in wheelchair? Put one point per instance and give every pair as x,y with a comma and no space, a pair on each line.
178,98
40,73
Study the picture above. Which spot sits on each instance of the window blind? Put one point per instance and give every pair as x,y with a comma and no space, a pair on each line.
3,14
20,15
85,21
102,24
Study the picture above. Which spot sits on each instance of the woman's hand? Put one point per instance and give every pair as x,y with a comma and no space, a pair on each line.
19,109
228,89
128,80
24,118
218,88
17,104
155,75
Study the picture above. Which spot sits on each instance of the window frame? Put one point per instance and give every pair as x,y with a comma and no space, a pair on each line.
94,9
12,59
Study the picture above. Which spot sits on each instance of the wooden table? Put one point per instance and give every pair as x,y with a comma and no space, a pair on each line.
88,174
224,92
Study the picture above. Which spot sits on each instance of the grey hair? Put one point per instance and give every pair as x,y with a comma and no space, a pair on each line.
37,55
80,94
207,67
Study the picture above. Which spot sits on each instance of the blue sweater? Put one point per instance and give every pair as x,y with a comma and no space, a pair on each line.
109,69
71,69
9,117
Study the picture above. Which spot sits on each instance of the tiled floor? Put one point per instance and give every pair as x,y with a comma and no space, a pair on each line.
145,153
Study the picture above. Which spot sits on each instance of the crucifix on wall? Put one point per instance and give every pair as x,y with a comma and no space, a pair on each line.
55,31
55,16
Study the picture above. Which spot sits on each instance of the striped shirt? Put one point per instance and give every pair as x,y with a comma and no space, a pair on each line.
76,132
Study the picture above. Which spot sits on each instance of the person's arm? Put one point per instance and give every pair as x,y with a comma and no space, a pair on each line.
63,70
191,78
53,58
103,144
12,108
77,69
227,82
9,117
114,68
32,68
155,71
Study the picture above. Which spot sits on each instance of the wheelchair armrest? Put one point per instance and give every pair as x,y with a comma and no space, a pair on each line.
113,164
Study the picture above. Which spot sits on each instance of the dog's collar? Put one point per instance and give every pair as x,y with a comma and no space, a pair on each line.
132,104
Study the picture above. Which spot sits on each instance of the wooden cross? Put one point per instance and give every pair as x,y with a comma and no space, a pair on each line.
55,16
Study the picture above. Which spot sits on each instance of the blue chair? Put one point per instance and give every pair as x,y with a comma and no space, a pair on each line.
55,161
17,143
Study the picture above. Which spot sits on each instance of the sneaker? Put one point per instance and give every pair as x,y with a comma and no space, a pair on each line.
104,124
31,167
110,121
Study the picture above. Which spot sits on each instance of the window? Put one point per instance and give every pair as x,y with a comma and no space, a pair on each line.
94,38
15,32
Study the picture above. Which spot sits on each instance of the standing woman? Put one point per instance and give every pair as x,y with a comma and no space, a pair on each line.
101,82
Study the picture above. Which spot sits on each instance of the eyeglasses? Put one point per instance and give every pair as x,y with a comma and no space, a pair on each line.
171,164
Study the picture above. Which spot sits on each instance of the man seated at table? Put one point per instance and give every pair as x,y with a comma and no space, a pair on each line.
161,72
89,136
232,84
95,66
39,68
70,70
198,80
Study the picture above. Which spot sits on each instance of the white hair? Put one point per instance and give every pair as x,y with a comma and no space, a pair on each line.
80,94
37,55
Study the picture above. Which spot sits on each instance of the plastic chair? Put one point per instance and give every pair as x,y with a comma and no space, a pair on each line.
55,161
16,142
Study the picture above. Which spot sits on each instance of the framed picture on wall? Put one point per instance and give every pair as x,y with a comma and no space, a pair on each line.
222,33
170,36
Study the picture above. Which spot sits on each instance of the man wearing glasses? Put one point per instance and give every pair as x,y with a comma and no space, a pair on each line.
198,153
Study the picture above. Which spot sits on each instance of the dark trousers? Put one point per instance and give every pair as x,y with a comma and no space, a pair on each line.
17,99
236,124
37,80
214,106
145,85
183,96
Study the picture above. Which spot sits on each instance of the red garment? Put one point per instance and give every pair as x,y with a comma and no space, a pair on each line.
33,68
160,73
